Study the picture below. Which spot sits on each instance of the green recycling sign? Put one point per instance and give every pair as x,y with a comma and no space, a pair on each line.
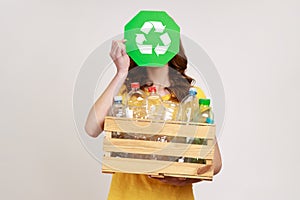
153,38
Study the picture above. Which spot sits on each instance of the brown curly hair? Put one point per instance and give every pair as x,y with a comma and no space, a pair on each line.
179,81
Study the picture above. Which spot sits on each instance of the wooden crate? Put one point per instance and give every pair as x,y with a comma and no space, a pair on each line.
141,159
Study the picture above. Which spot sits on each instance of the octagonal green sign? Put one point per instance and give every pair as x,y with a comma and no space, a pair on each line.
153,38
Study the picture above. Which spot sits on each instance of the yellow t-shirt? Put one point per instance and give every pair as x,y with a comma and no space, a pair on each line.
141,187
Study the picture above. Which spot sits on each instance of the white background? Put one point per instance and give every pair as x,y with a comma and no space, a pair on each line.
254,45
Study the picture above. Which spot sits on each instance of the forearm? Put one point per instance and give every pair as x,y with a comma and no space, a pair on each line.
217,164
95,121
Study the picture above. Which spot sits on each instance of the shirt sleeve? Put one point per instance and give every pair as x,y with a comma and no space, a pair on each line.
200,93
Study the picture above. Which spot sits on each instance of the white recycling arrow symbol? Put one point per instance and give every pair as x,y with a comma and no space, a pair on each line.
159,28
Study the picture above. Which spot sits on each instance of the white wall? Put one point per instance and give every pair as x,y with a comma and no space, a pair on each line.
254,45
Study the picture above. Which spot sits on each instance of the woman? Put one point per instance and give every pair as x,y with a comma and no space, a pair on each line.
172,84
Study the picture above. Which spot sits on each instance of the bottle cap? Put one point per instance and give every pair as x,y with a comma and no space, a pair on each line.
118,98
205,102
192,91
152,89
135,85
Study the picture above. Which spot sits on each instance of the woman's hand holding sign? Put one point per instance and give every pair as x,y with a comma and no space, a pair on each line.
119,56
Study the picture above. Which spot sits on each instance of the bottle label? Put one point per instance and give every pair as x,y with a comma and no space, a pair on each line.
129,113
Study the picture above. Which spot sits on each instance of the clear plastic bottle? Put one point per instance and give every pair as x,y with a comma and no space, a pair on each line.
155,111
155,106
118,109
189,107
206,113
171,110
136,102
189,112
206,116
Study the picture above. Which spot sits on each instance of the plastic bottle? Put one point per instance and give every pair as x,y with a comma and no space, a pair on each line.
206,113
136,102
155,106
171,110
206,116
189,111
155,111
189,107
118,109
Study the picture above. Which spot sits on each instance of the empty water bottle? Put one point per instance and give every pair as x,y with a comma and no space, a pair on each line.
118,109
189,107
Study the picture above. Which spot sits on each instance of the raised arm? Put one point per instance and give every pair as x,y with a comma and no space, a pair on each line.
95,120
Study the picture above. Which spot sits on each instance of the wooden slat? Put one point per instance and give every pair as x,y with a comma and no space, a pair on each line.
158,148
156,167
138,166
170,128
207,178
209,162
108,134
